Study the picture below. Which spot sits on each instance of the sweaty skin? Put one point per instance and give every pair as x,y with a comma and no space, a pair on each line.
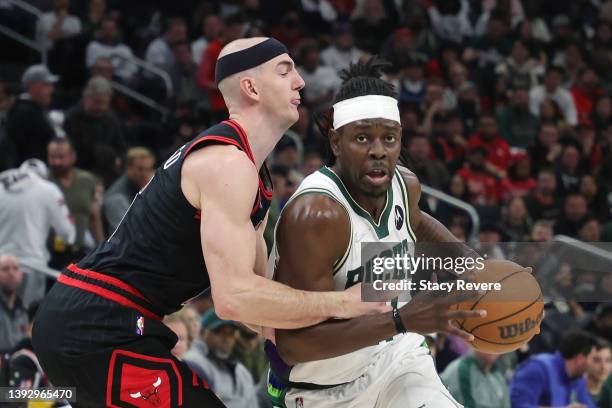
316,228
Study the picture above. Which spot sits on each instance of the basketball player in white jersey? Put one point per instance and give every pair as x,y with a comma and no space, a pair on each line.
372,361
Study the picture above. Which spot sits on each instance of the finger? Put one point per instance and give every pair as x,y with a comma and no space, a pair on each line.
450,329
464,314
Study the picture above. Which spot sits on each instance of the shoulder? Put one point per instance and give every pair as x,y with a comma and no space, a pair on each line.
219,162
413,185
314,212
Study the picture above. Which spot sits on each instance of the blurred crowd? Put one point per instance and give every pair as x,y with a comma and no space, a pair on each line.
505,105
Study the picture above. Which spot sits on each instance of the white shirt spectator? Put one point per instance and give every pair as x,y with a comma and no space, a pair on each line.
71,26
323,81
327,11
160,54
116,53
561,96
452,27
197,49
338,59
31,206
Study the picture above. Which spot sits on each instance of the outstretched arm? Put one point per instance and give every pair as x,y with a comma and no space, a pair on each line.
313,233
222,183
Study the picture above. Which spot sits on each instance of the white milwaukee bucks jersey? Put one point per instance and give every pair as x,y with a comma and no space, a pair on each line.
393,227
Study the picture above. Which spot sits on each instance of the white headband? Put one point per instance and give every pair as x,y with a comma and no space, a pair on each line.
365,107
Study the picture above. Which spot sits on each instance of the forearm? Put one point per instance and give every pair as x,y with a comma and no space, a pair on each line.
255,300
333,338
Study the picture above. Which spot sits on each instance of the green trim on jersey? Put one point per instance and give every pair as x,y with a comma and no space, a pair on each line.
316,190
382,226
404,189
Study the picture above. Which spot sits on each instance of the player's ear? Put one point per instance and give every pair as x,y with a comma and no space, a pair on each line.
334,141
247,86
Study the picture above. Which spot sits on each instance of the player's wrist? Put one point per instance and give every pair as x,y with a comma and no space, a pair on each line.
397,321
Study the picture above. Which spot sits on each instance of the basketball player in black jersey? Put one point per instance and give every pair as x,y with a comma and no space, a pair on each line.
198,223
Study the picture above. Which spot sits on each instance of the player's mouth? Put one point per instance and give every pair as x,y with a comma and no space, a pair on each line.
377,177
296,101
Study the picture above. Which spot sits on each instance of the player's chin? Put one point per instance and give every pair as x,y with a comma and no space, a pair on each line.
374,189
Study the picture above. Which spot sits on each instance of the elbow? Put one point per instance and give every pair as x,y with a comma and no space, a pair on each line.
226,308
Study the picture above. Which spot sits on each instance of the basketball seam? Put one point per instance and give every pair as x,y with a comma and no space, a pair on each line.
480,298
510,315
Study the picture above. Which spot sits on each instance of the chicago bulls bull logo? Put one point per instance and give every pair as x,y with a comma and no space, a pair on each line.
143,381
150,394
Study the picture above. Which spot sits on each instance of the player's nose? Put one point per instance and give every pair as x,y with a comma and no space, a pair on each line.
298,83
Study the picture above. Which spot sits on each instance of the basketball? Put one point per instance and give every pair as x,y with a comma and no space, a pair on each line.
514,312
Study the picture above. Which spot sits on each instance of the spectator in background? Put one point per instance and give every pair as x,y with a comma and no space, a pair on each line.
108,45
79,188
542,231
516,222
192,319
159,52
555,379
418,159
13,313
481,185
95,132
57,24
590,230
546,148
342,52
24,370
450,19
234,29
312,162
596,196
575,211
318,15
599,367
178,326
498,150
411,84
188,93
250,352
552,89
517,125
373,21
103,67
585,92
31,207
601,116
543,202
139,163
212,28
519,182
568,169
474,381
211,358
28,127
521,67
322,82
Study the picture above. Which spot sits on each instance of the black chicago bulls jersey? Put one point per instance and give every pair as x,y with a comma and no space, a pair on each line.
157,249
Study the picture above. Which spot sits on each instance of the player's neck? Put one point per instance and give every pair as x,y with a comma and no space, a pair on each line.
261,133
374,205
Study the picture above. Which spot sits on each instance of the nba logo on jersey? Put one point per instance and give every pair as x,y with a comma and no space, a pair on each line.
399,217
140,326
299,402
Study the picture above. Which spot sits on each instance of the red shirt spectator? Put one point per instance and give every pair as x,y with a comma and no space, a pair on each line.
498,150
483,188
585,92
519,181
206,74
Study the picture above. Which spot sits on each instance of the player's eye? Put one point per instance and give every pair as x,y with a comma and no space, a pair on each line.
390,138
361,138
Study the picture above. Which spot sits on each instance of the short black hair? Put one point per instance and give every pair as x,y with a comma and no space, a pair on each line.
62,140
576,343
